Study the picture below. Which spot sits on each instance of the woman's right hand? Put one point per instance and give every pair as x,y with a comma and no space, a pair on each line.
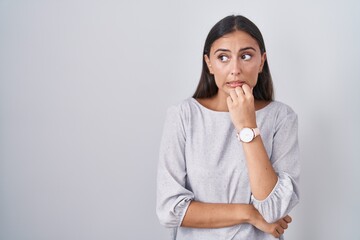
276,229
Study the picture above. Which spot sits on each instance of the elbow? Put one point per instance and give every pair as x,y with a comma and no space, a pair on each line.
278,211
171,216
167,220
279,203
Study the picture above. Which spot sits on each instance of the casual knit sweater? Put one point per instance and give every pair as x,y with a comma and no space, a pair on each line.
201,159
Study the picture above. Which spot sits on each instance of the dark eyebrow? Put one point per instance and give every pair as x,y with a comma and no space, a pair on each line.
222,50
227,50
247,48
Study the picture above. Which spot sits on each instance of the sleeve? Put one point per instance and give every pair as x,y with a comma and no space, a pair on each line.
173,198
285,161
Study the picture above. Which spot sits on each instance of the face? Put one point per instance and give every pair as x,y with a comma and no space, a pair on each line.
235,59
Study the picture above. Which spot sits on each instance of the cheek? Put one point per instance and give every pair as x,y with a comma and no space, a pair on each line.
252,75
218,68
253,69
220,72
218,80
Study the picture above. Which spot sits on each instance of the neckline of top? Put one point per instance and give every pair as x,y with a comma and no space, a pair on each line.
221,112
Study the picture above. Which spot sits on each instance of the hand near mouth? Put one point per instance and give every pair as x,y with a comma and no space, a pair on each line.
241,107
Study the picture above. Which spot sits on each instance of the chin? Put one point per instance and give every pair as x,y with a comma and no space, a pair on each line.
225,92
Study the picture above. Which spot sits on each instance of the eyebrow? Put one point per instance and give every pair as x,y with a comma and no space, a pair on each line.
227,50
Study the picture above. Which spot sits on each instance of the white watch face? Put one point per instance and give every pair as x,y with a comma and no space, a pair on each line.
246,135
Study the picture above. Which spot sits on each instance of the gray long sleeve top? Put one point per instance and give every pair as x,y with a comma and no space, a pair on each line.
201,159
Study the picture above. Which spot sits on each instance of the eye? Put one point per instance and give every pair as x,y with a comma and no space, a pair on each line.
223,58
246,57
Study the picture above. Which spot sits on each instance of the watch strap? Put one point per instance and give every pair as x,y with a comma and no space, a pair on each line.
256,132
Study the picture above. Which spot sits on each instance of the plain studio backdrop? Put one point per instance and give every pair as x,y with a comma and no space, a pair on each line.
84,88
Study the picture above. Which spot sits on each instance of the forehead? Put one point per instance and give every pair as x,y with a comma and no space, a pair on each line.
235,41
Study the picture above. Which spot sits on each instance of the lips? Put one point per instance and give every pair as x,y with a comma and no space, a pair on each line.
234,84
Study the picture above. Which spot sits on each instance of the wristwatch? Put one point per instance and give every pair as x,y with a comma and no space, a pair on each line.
248,134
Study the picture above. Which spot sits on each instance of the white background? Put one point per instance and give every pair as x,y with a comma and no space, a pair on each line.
84,87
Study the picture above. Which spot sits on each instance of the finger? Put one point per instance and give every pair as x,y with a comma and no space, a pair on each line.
239,91
276,234
229,101
246,88
280,230
283,224
233,95
287,219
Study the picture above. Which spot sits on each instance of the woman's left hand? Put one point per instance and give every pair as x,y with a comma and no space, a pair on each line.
241,107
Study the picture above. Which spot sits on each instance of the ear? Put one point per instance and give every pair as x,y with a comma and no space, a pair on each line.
263,59
208,63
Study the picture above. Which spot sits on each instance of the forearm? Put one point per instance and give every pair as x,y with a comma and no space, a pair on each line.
261,173
262,176
217,215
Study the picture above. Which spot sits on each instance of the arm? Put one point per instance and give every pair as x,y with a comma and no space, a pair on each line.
217,215
273,181
173,198
261,173
285,162
262,176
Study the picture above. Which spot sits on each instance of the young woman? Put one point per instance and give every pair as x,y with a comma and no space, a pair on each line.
229,156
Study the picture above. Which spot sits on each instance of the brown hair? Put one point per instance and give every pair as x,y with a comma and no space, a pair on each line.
207,88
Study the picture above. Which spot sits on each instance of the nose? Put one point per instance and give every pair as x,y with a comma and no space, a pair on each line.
235,68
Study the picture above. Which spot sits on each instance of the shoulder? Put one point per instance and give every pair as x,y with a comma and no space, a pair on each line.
284,115
182,108
282,108
278,112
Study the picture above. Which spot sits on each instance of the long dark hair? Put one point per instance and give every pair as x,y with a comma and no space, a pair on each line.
207,88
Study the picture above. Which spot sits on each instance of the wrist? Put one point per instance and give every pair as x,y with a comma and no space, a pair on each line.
246,213
239,127
247,134
252,214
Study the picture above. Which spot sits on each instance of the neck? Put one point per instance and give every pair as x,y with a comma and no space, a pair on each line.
218,103
215,103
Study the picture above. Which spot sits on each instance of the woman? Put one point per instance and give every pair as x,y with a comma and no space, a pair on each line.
229,157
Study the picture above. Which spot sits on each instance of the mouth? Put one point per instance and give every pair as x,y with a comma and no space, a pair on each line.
234,84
